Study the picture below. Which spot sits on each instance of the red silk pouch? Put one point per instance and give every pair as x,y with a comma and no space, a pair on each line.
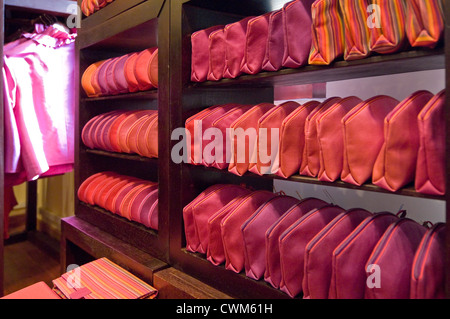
273,58
217,55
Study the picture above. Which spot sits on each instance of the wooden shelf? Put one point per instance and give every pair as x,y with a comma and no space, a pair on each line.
145,95
55,7
130,157
377,65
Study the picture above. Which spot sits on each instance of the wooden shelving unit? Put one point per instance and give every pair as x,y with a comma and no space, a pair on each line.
169,24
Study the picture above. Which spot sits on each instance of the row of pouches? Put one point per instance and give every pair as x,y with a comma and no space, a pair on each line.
314,32
132,198
309,246
134,72
340,138
89,7
121,131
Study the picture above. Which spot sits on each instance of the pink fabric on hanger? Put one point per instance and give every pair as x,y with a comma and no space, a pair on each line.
40,100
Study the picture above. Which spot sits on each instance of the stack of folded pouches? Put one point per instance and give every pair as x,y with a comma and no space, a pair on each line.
122,131
132,198
347,138
129,73
314,249
314,32
88,7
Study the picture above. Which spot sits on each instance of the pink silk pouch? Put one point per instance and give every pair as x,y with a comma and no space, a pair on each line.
137,140
151,136
269,126
222,159
126,127
297,23
102,78
110,200
293,244
200,53
424,22
104,188
190,126
96,187
149,211
243,138
104,134
233,242
348,276
430,171
130,76
125,205
217,55
197,213
142,66
215,252
330,137
118,75
133,133
364,137
110,82
292,139
389,36
255,44
81,193
122,195
86,135
235,37
139,199
273,57
96,131
327,32
318,253
428,269
272,273
310,160
87,77
254,233
396,163
356,31
394,251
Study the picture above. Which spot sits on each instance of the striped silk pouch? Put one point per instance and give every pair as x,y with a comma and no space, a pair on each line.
102,279
327,32
424,22
356,31
387,26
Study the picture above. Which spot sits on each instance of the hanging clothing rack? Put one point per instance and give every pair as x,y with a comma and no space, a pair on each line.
47,8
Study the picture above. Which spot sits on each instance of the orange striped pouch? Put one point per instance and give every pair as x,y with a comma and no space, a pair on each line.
327,32
387,26
424,22
356,31
102,279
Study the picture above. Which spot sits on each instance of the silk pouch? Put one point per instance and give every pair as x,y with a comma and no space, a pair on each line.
394,251
396,163
273,58
293,244
292,139
254,233
330,137
310,160
297,23
217,55
200,53
428,269
348,277
266,153
364,137
215,252
222,155
197,213
356,31
255,44
430,171
151,137
145,67
327,32
243,137
387,34
272,272
235,38
86,79
230,226
318,253
130,76
118,74
424,22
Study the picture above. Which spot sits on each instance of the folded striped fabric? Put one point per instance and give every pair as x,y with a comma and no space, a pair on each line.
102,279
354,15
424,22
327,32
387,26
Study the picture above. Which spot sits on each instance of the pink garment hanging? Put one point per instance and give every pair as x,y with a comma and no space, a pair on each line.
39,104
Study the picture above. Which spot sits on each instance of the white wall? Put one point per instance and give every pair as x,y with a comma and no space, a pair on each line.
398,86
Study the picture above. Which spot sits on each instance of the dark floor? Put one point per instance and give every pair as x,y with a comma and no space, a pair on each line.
28,262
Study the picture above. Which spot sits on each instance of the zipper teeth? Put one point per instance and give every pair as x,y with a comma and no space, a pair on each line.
377,253
401,107
418,262
246,116
240,205
350,116
432,105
